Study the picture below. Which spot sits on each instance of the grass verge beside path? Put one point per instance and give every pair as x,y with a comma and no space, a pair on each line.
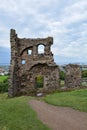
16,114
76,99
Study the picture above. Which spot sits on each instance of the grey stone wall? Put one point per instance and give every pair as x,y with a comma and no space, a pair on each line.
27,63
73,76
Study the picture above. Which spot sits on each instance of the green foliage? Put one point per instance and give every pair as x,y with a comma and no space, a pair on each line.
62,75
76,99
2,78
3,84
84,73
39,80
16,114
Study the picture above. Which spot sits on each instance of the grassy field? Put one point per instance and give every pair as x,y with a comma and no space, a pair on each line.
76,99
16,114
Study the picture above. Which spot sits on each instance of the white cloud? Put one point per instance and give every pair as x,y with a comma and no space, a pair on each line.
66,22
4,43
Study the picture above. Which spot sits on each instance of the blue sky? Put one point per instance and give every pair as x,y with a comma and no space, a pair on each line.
65,20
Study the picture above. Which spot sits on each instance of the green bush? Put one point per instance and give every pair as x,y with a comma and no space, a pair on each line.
4,85
84,73
62,75
39,80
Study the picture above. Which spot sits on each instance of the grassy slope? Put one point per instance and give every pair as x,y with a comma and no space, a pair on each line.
16,114
76,99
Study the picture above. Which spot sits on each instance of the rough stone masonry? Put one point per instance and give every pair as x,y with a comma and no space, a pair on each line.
73,76
27,63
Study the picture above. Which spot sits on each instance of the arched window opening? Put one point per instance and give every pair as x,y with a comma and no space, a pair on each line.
23,62
40,49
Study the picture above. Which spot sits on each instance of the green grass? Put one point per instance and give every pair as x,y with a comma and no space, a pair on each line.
76,99
2,78
16,114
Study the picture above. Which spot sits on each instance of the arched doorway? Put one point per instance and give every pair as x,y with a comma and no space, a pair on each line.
39,81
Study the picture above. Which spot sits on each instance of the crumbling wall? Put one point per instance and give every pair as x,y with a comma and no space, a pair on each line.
14,79
72,76
27,63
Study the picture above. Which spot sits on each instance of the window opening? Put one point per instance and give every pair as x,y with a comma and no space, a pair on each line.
23,62
41,49
29,52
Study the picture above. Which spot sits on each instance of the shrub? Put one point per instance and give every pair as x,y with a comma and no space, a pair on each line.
39,81
84,73
62,75
4,85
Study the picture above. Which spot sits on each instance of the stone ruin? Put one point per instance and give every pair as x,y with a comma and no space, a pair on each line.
27,63
73,76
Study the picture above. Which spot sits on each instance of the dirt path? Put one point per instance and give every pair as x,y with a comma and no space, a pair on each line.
60,118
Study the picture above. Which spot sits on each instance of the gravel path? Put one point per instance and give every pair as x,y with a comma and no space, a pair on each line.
60,118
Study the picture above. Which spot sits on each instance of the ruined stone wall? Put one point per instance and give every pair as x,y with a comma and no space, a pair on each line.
72,76
27,63
13,80
50,75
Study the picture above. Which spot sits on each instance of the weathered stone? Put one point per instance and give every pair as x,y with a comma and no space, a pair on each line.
73,76
27,64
